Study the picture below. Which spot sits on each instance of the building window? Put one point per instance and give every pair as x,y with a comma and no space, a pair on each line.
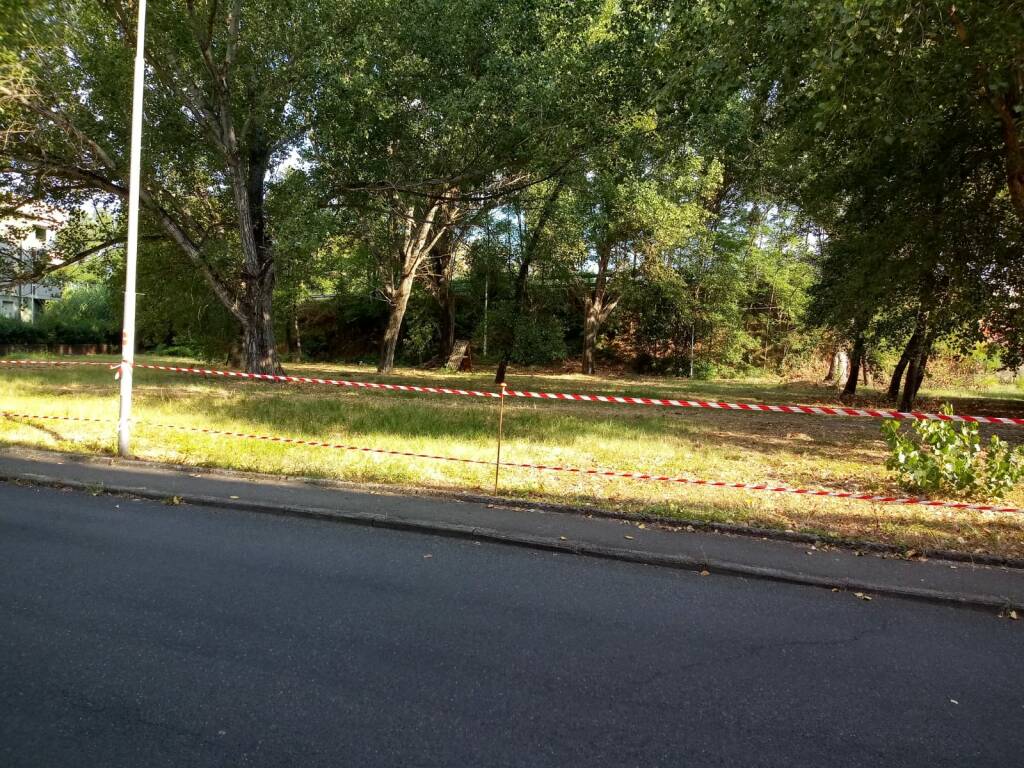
40,234
8,309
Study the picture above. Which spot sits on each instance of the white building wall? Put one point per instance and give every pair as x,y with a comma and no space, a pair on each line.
34,231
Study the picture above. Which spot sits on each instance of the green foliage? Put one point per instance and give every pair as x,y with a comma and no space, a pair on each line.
740,177
940,456
422,331
17,333
539,340
84,314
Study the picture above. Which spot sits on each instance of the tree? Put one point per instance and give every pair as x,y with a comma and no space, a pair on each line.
220,118
638,198
886,122
530,241
440,122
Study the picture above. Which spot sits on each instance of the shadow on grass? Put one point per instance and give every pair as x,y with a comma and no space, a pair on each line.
414,417
317,411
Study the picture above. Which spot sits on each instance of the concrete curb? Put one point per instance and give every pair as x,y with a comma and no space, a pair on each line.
509,502
623,554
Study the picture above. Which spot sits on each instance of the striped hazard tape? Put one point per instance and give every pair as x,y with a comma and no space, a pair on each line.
28,363
281,378
816,410
610,473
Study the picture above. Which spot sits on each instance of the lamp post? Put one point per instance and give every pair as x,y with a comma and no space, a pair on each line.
124,424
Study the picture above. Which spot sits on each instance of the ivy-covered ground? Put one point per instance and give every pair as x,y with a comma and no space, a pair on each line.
808,451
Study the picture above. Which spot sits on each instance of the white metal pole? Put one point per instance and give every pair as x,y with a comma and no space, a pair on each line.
124,425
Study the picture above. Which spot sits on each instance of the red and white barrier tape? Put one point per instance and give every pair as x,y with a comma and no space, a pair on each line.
53,362
315,443
314,380
12,415
817,410
613,473
868,497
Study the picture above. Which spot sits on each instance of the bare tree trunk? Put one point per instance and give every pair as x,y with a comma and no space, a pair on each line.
856,359
389,343
840,366
907,400
832,360
438,278
590,326
596,309
915,372
258,335
418,238
258,275
901,366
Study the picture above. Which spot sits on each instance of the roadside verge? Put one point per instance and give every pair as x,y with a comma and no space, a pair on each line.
871,573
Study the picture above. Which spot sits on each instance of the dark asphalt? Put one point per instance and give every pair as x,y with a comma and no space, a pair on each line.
138,634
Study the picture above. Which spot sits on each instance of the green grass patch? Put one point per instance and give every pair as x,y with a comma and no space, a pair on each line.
796,450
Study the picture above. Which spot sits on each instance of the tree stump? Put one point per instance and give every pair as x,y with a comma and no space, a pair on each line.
461,358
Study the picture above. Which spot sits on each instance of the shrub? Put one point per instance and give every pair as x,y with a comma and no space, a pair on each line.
941,456
84,315
15,332
539,340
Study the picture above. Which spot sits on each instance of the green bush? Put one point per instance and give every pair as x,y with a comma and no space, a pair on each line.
178,350
84,315
705,369
941,456
539,340
15,332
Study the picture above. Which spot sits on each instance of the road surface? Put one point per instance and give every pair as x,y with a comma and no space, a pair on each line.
139,634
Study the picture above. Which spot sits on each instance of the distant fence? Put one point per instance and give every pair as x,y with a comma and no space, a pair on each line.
500,397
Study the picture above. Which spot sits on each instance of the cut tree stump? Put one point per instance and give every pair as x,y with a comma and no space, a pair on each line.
461,358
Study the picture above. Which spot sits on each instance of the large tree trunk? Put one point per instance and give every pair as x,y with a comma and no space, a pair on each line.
248,182
901,366
258,343
419,236
596,309
909,388
916,370
389,343
856,360
590,328
839,367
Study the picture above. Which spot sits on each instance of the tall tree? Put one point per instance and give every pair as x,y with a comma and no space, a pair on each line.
435,123
887,121
222,78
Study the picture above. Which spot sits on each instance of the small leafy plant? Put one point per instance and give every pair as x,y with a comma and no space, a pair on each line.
943,456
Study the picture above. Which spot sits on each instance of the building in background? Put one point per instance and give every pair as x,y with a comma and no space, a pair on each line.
22,238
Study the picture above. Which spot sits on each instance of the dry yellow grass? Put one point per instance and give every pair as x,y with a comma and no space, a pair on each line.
795,450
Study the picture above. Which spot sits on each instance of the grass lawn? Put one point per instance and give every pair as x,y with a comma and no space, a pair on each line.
809,451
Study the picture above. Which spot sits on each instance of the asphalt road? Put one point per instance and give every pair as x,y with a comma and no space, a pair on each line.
138,634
